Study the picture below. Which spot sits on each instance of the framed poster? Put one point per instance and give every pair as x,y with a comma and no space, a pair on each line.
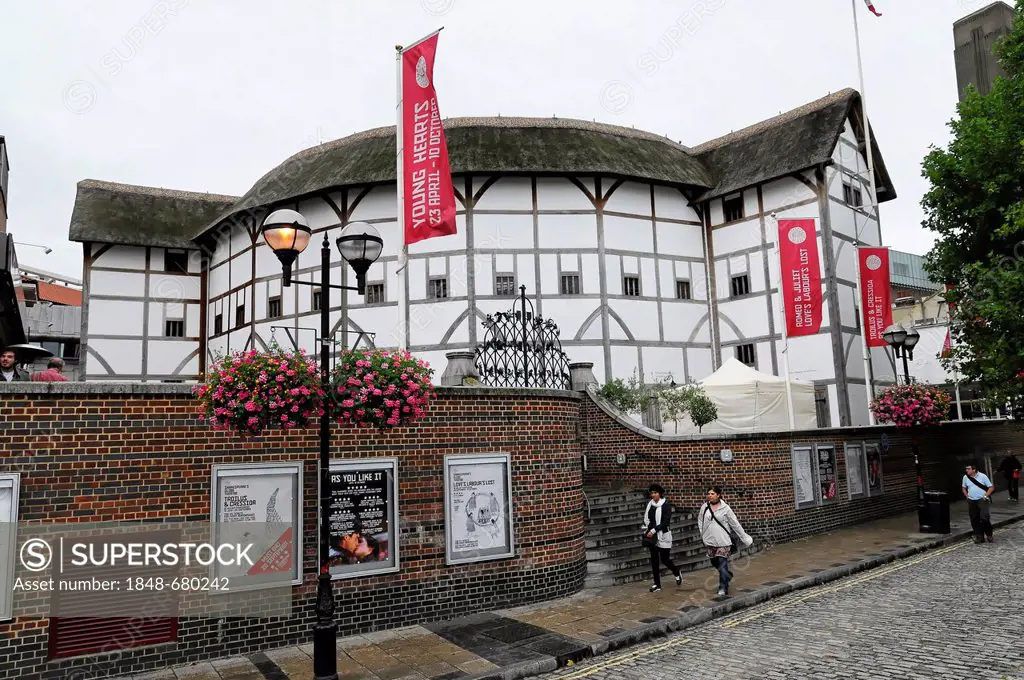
873,458
804,482
10,484
364,517
828,473
262,504
856,471
478,508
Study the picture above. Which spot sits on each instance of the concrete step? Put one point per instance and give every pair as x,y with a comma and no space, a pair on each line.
627,510
626,525
643,573
634,548
640,558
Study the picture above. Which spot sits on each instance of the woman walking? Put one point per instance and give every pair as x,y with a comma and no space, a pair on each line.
658,535
718,524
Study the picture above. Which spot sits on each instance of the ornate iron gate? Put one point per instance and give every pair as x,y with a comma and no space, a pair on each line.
521,349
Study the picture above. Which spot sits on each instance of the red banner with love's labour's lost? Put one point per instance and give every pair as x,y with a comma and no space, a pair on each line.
429,200
875,293
801,276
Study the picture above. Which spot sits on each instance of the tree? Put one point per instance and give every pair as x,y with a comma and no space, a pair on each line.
702,410
975,205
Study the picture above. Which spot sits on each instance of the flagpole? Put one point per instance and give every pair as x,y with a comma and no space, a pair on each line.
784,325
403,254
869,387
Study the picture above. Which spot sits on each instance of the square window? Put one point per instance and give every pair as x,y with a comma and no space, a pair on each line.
239,316
218,324
570,284
274,308
732,207
631,286
683,290
505,285
174,328
317,298
746,354
438,288
176,261
852,196
740,285
374,294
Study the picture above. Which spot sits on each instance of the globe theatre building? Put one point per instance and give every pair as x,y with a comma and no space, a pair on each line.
652,257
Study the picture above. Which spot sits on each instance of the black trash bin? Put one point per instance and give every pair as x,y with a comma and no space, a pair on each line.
933,515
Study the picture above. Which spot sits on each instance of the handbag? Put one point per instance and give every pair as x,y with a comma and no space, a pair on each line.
648,541
735,547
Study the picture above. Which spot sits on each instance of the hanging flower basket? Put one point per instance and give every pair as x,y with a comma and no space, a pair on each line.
912,405
253,391
378,388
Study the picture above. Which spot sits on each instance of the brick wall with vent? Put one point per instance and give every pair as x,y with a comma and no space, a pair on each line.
134,452
758,482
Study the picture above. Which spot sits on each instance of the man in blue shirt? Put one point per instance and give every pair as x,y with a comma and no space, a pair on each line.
977,489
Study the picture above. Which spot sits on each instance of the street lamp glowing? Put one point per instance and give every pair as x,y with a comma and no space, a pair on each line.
287,233
360,244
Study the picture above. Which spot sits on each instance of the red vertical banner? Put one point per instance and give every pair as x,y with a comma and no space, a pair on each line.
800,282
429,203
875,293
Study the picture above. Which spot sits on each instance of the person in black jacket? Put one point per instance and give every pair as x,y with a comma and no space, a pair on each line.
9,371
657,531
1011,468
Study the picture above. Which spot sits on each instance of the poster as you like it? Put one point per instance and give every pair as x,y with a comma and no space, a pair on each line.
855,471
803,476
479,521
363,518
259,504
828,479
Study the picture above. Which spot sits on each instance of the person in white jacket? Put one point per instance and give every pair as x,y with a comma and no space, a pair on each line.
717,524
656,527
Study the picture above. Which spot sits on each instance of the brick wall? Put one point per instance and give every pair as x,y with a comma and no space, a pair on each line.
127,452
759,481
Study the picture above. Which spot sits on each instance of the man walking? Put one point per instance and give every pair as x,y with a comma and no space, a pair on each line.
1011,468
978,490
54,372
9,371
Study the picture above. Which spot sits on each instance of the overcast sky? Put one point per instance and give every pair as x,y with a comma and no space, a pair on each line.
208,96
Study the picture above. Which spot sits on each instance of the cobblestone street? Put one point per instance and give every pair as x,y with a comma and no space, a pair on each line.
957,612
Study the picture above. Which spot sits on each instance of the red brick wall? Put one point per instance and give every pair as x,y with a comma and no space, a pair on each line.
86,453
759,481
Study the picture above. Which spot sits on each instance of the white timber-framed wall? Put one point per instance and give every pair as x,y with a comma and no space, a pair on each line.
129,296
533,228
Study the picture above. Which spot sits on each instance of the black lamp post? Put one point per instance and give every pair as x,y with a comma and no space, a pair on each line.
902,342
287,233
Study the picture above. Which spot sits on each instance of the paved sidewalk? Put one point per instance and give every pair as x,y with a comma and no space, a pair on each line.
538,638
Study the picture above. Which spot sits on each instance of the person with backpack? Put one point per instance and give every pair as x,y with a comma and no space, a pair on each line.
657,535
721,533
978,489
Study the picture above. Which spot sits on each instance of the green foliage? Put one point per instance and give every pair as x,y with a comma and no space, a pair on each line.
629,396
975,206
624,395
702,410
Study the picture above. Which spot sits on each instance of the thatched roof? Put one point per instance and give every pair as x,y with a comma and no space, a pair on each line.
486,145
124,214
793,141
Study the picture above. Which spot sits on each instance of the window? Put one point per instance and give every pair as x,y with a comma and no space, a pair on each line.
70,349
732,207
683,290
176,261
51,346
438,288
570,284
505,285
374,294
317,298
901,268
745,354
631,286
740,285
274,307
852,196
174,328
218,324
239,316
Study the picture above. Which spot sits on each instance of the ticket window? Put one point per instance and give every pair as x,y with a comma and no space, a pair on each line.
9,485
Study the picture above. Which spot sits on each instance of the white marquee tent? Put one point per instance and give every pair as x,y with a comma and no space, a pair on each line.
749,400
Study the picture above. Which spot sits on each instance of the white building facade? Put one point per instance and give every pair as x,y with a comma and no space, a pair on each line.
651,257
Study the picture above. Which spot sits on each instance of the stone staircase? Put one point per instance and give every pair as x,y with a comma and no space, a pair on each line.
614,553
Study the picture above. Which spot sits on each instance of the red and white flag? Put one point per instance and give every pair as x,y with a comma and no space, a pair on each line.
800,280
875,293
429,199
871,6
